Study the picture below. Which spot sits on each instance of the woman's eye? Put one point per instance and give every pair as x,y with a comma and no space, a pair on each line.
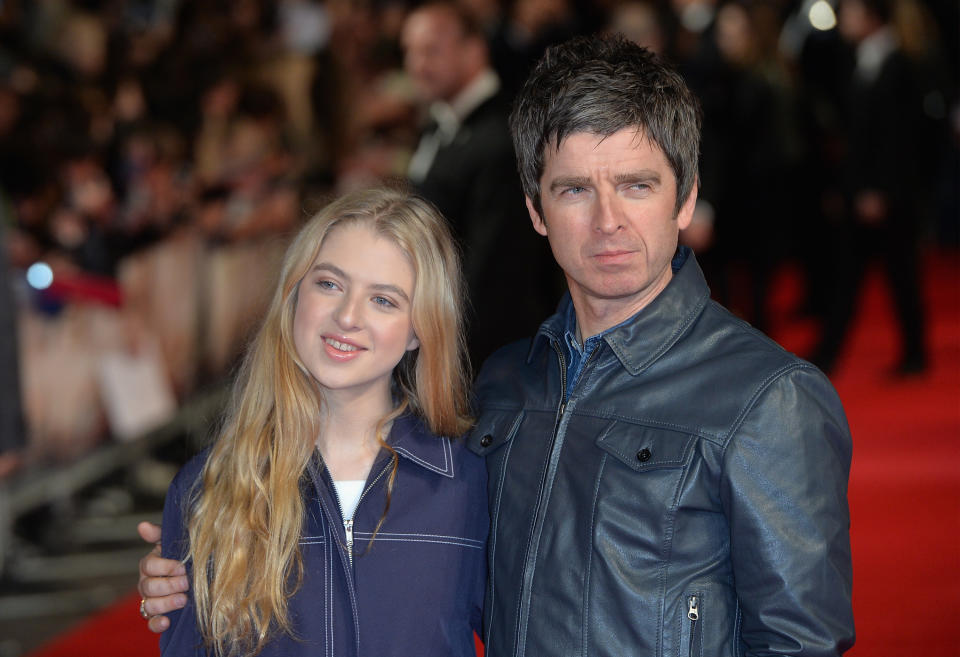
384,301
326,285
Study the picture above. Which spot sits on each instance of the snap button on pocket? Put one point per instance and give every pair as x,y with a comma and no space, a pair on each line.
643,455
486,440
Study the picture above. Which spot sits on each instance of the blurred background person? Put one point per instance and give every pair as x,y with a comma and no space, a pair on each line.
883,146
464,164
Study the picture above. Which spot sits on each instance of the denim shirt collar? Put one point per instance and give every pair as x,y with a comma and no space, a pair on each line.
647,335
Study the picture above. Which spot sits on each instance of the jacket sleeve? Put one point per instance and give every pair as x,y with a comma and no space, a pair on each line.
784,491
183,636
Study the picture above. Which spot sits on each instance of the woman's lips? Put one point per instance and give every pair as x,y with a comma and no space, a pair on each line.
340,349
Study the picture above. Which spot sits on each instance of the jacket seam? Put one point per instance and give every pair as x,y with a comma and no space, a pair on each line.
494,523
544,494
328,584
587,574
424,538
752,401
653,424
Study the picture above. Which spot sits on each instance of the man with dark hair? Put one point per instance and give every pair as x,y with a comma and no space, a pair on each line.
663,479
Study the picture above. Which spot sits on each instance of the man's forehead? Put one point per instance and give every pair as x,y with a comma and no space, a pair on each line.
432,21
638,138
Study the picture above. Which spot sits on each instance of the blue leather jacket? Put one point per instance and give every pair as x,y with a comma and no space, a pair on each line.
419,588
688,498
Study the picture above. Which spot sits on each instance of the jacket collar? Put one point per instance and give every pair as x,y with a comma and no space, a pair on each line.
646,336
413,441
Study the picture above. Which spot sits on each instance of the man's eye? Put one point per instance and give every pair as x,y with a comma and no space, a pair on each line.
573,191
641,187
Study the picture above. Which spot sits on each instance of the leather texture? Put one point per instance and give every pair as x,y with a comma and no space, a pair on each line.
696,470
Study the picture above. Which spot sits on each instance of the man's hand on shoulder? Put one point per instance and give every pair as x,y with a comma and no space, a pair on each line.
163,582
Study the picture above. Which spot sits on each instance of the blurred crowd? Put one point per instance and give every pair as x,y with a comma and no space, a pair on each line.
155,155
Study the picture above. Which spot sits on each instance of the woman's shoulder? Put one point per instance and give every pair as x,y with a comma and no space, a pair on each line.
444,454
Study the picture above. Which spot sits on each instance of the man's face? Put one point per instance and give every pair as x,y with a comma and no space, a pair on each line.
609,213
436,53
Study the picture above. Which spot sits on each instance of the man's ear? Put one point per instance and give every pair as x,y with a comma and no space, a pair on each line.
539,224
685,215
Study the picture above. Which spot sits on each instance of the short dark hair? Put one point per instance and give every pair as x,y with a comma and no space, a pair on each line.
600,85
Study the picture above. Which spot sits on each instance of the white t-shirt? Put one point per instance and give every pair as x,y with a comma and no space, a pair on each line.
349,492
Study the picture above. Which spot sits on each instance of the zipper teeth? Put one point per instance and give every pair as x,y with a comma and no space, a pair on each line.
336,499
349,530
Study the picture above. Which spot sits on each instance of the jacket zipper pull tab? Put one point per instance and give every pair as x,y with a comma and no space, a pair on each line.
693,608
348,526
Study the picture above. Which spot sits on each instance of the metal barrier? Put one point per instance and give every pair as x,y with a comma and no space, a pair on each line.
38,487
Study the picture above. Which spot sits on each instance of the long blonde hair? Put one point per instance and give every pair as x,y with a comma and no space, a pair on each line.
246,522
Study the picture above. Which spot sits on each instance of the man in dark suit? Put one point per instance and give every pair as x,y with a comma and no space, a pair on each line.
464,163
882,121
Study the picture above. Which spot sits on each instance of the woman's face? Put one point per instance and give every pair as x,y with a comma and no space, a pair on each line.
353,320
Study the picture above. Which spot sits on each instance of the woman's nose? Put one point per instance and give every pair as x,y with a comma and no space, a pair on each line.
349,313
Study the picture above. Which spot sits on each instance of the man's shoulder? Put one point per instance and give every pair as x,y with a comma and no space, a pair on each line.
740,363
509,356
725,337
507,371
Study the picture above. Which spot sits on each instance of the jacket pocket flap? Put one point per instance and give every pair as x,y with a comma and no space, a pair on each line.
646,448
493,429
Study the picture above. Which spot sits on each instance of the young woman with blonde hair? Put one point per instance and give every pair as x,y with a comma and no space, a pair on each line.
336,513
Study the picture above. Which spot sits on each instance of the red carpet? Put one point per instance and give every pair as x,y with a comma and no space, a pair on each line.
904,488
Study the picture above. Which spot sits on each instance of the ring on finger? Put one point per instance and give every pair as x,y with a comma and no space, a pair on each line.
143,609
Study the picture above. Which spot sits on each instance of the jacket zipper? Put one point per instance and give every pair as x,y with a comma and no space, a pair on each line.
693,615
348,530
525,577
348,522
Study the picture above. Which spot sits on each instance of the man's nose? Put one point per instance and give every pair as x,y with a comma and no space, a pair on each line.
607,216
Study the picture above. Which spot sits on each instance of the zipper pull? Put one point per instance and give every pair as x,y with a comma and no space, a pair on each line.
693,608
348,526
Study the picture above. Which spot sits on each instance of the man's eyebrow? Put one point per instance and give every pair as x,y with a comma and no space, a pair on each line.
644,175
569,181
379,287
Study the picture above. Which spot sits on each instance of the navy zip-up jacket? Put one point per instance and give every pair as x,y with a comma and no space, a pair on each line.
419,588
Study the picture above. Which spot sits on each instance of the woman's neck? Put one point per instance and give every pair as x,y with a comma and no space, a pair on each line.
348,434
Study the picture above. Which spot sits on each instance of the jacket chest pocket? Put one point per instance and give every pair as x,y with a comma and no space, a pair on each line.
645,466
493,430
